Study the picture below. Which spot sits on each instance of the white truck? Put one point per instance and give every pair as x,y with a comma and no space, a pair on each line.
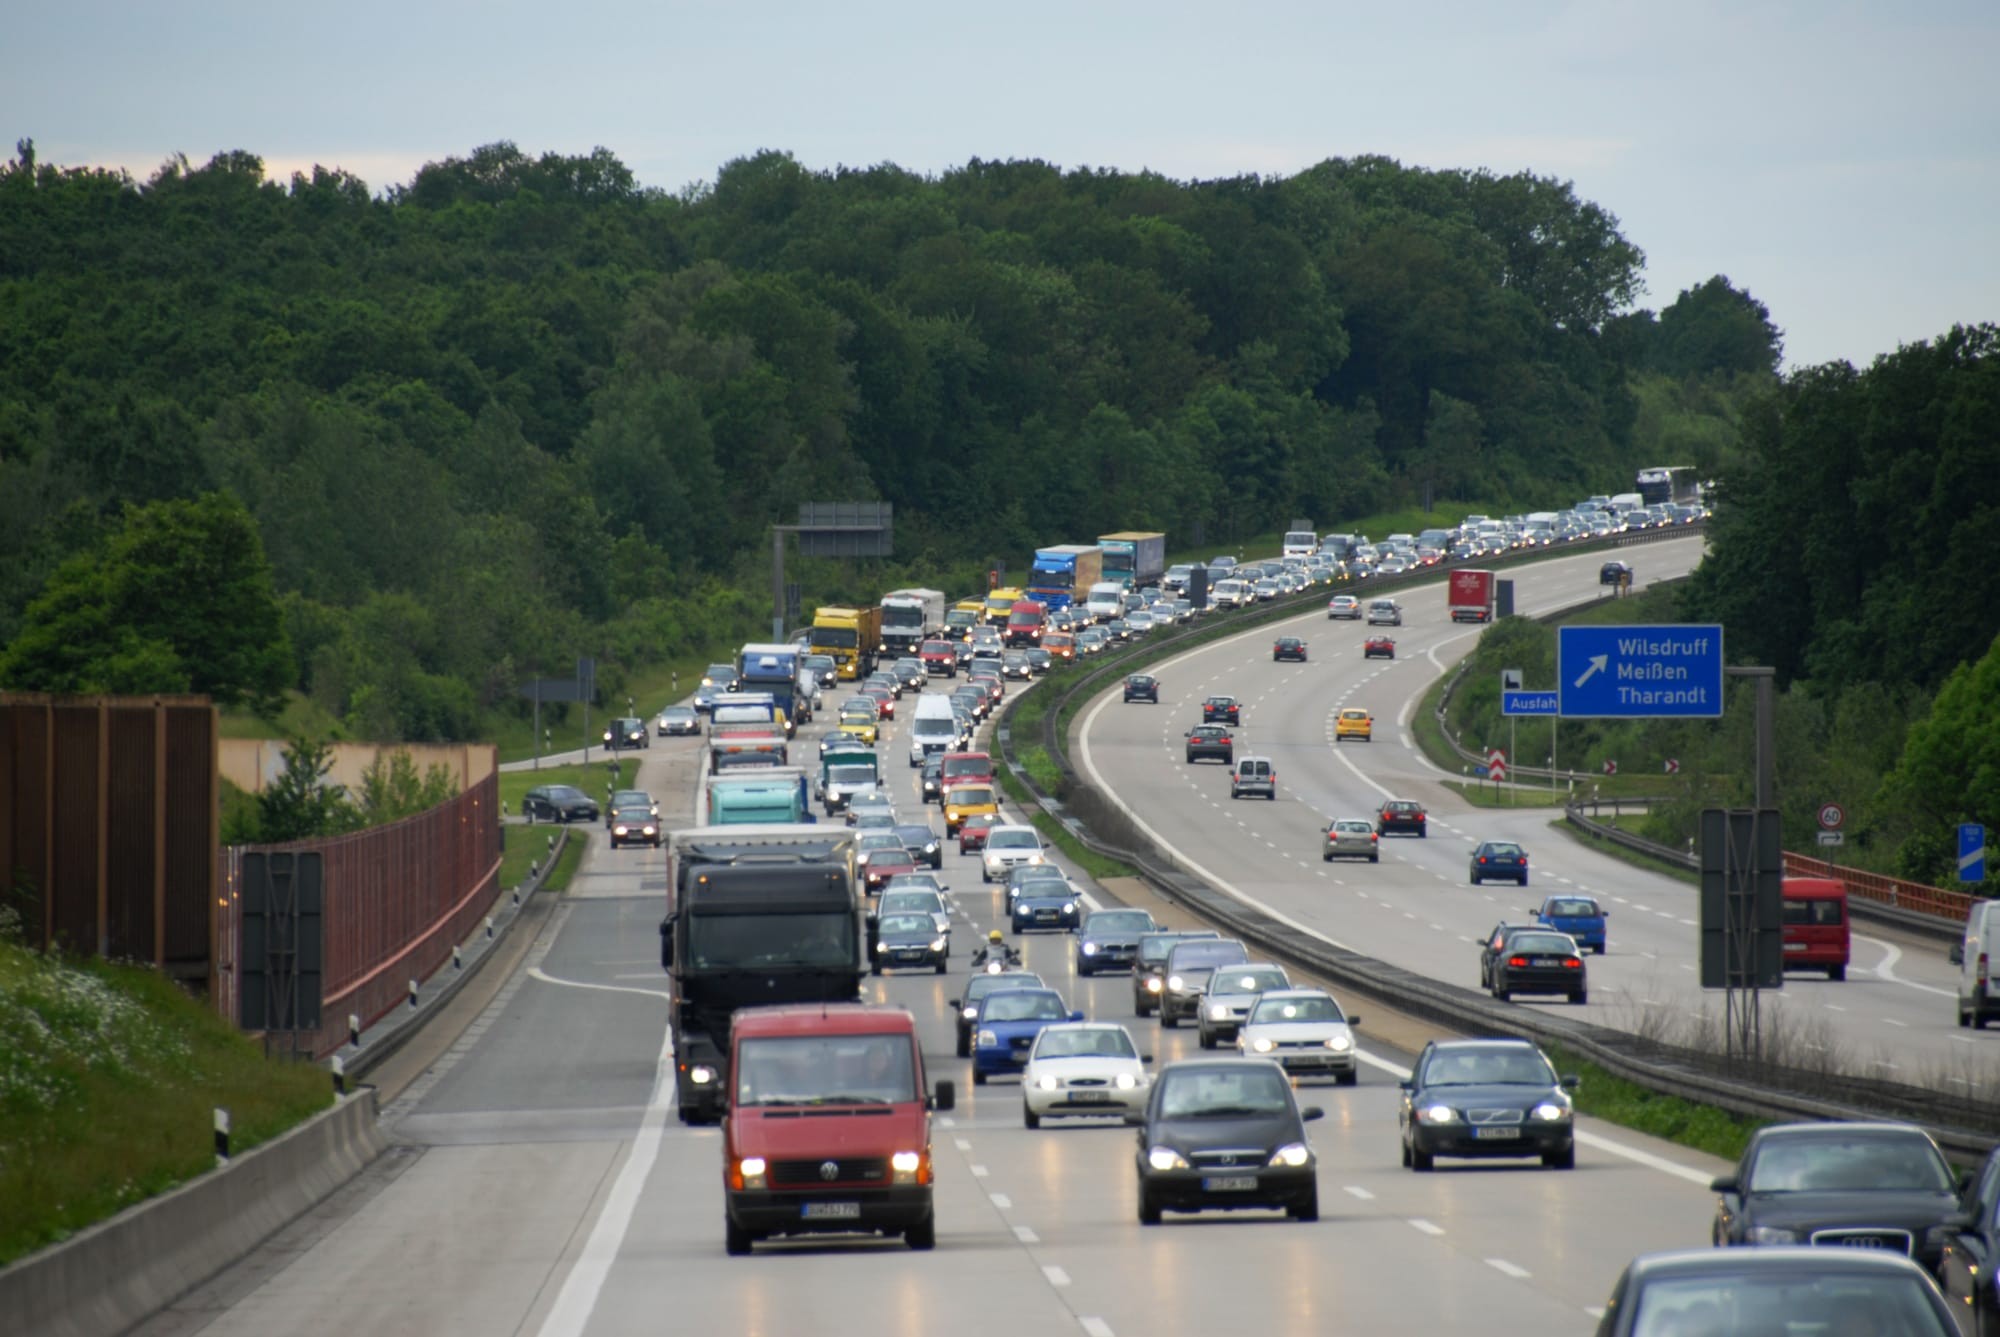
908,616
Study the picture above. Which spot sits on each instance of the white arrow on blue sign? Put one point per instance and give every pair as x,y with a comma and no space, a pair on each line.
1529,703
1971,852
1639,672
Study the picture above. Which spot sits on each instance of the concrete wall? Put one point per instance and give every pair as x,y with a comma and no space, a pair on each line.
113,1275
252,763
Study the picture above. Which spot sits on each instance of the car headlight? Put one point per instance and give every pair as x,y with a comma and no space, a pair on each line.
1771,1235
930,847
1219,1012
1551,1112
1166,1158
650,830
1293,1154
618,830
1174,982
1152,984
1263,1044
1046,1082
1069,907
938,944
883,948
1090,949
701,1074
971,1012
1437,1114
1339,1044
988,1039
1125,1081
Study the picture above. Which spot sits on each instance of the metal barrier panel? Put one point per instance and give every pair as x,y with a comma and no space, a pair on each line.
1952,905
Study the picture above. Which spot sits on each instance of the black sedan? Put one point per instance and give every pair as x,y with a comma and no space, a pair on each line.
1863,1185
1221,710
1539,961
924,844
558,803
1288,647
905,940
1499,859
1832,1291
1225,1134
1480,1098
1142,687
1972,1249
931,780
627,731
1211,740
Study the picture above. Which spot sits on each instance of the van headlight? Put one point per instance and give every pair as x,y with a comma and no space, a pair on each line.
750,1171
1166,1158
907,1167
701,1074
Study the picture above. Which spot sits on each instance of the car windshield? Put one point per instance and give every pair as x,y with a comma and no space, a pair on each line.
1488,1067
882,840
981,985
907,923
1013,840
1500,849
677,713
1117,921
826,1070
1088,1042
1573,909
1202,955
1248,981
1272,1011
785,941
566,793
1817,1300
1023,1005
1855,1162
1233,1092
912,900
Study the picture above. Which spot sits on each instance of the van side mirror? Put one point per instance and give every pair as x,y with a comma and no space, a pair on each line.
945,1097
1145,1058
1311,1112
1958,953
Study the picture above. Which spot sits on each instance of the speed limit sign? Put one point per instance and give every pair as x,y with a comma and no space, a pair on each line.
1831,815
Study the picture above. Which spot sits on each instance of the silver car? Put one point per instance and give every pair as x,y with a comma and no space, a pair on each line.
1385,612
1353,838
1232,992
1343,606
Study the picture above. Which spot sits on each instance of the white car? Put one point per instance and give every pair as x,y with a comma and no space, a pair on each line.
1008,846
1083,1067
1305,1031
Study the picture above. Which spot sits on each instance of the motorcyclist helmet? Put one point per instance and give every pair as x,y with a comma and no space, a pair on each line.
994,936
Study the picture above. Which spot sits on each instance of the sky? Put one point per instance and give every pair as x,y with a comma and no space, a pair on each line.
1840,161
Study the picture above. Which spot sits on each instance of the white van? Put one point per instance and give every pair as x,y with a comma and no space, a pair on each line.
1978,962
1106,601
934,728
1230,594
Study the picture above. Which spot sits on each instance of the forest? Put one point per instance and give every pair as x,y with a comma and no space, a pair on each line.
423,441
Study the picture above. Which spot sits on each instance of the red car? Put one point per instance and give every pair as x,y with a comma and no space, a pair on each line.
1378,645
972,831
884,699
1401,814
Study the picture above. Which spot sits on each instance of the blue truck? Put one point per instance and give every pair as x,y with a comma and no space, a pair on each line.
772,668
1063,575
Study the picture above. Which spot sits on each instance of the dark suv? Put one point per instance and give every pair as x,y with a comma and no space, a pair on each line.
1210,740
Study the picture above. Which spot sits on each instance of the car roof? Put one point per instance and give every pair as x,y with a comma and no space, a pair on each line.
1799,1258
1269,994
1486,1045
1015,826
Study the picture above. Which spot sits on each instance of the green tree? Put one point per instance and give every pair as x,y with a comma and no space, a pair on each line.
1714,327
299,804
1949,771
391,789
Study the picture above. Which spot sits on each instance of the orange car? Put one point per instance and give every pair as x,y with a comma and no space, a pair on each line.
1060,644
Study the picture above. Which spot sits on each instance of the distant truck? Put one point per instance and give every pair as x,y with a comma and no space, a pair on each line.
764,795
1300,540
1133,558
1471,596
755,916
1063,575
850,635
772,667
1026,621
908,617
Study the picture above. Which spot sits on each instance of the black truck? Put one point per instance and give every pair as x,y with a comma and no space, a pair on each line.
756,915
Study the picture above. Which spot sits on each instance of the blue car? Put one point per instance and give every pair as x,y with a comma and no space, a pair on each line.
1499,858
1046,904
1579,916
1006,1028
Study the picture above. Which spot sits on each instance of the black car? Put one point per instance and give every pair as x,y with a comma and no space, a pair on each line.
1221,710
1972,1249
1480,1098
1538,960
626,798
1211,740
1288,647
1838,1292
558,803
1402,814
904,939
627,731
1225,1134
634,824
1862,1185
1614,573
1108,939
1495,942
924,844
1499,858
1142,687
930,781
1149,967
965,1007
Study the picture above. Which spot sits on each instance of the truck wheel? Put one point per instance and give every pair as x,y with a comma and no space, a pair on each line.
922,1236
735,1239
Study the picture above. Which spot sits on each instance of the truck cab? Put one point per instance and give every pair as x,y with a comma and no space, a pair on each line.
837,1172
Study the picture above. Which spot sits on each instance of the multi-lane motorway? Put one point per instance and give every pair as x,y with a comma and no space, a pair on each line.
542,1185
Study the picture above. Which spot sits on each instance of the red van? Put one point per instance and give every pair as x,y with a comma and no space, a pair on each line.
1816,925
1026,622
861,1163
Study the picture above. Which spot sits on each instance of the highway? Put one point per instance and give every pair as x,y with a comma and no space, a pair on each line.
542,1186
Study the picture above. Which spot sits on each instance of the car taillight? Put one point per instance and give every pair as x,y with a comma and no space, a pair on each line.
1374,836
1982,967
1573,962
1482,858
1517,961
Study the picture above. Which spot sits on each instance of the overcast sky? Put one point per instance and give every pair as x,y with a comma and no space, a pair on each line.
1837,159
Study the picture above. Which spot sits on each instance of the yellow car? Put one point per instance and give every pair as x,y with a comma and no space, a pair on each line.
1353,723
963,801
860,721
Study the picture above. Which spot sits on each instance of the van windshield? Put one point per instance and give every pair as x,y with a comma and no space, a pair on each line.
1822,912
936,726
825,1070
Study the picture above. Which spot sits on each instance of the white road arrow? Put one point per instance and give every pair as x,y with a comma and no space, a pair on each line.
1598,663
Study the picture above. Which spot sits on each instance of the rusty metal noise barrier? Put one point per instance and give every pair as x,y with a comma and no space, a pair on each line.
1965,1127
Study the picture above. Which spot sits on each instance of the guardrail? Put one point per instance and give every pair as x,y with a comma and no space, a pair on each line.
1965,1127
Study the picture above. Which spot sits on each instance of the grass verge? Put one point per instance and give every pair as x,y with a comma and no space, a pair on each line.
1623,855
1025,730
1615,1100
109,1077
594,779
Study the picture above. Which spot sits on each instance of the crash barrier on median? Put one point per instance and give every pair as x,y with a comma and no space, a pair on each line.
113,1275
1964,1126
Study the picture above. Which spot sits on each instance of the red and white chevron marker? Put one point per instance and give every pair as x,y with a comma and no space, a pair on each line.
1673,767
1611,768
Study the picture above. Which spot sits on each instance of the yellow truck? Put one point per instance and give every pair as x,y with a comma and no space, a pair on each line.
850,635
999,603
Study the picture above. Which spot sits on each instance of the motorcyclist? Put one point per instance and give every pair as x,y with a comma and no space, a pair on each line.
996,955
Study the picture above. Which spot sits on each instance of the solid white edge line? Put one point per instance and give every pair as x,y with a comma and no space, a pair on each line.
1096,1327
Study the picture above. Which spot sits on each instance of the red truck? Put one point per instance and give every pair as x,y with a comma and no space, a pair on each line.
1471,596
862,1162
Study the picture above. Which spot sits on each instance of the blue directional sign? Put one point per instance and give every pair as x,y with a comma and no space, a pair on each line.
1639,672
1971,852
1529,703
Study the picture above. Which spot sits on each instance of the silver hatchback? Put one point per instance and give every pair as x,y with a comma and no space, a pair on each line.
1352,838
1385,613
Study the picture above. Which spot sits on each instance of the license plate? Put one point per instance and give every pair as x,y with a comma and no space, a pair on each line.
1229,1183
1546,961
1495,1134
1045,914
910,954
1090,1097
830,1211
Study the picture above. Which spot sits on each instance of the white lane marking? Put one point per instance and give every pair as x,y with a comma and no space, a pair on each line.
1357,1191
1887,969
580,1289
947,1121
978,1171
1891,1021
1096,1327
1595,1311
536,973
1505,1268
1056,1276
1428,1227
962,1144
1002,1201
1026,1235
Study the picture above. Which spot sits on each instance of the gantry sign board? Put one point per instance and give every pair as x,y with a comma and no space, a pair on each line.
1639,672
